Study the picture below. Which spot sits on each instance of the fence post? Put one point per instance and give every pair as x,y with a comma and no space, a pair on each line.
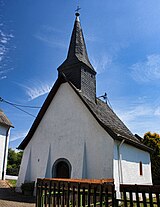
94,199
150,199
106,196
49,197
158,200
125,198
131,198
89,194
37,194
137,197
45,195
68,195
144,199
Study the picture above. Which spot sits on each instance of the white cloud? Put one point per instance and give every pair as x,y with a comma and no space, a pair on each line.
35,92
135,112
140,118
49,28
3,77
146,71
101,63
18,135
51,41
36,88
157,111
51,36
5,39
91,38
2,72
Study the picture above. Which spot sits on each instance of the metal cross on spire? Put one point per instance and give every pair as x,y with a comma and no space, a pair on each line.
78,8
77,11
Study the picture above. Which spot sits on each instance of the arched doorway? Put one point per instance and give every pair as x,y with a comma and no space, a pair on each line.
61,169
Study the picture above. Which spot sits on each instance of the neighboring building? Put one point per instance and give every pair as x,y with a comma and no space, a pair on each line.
5,126
77,135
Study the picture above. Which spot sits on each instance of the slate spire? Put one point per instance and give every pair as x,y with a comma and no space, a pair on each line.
77,51
77,67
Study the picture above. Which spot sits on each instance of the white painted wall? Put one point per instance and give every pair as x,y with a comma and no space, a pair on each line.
4,134
68,130
126,165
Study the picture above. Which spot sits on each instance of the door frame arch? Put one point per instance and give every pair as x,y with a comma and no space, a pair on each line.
54,168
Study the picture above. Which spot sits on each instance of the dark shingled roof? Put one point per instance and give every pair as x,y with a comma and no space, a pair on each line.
77,49
100,110
111,122
4,120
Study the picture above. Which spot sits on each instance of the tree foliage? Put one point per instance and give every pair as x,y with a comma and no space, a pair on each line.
152,140
14,161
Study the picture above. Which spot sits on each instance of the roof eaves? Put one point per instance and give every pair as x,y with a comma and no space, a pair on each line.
6,125
136,144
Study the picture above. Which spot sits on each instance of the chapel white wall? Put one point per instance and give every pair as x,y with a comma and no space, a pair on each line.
127,165
68,130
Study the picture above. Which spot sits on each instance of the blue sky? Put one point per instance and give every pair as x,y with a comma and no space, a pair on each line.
123,43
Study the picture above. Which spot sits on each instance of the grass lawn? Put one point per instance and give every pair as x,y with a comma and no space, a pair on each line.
12,183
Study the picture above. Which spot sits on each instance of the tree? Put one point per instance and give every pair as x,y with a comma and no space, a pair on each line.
152,140
14,161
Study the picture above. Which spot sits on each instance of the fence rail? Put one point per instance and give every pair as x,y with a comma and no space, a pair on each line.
75,193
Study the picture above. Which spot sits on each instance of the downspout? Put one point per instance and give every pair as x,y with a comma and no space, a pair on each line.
120,173
5,154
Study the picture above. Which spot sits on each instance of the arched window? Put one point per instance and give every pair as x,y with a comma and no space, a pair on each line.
61,168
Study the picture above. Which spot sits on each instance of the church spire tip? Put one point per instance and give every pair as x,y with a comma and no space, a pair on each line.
77,11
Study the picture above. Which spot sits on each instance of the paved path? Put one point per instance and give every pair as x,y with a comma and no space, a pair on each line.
9,198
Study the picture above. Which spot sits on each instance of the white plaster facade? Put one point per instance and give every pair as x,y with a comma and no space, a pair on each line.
4,140
127,161
68,130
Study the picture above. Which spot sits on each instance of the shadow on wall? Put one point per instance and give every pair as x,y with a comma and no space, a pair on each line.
132,154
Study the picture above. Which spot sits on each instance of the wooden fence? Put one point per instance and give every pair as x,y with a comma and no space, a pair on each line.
96,193
139,196
75,192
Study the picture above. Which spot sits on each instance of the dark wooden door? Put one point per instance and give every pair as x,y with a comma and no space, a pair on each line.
62,170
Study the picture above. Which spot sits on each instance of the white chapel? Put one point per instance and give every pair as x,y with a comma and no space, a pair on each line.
77,135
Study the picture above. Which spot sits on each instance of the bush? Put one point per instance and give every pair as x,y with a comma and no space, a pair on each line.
28,188
14,161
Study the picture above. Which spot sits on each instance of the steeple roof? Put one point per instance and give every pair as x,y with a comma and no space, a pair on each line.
77,49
